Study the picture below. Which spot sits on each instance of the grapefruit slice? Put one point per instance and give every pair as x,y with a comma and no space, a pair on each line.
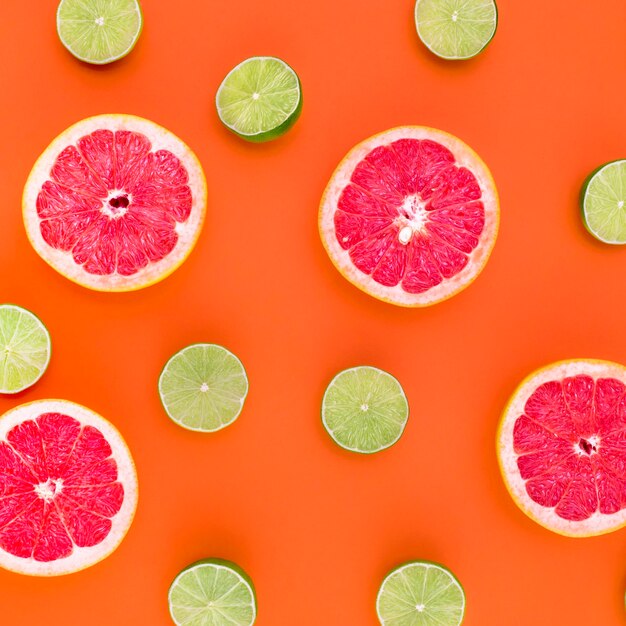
410,216
68,488
562,447
115,203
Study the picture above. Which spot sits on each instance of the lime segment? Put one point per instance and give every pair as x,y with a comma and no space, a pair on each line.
603,201
259,99
456,29
365,409
99,31
24,348
203,387
212,592
420,593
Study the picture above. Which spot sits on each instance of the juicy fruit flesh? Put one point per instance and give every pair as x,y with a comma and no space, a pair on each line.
58,488
571,446
113,203
410,215
605,203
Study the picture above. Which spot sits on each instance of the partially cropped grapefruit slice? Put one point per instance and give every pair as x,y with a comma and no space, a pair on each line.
410,216
68,488
115,203
562,447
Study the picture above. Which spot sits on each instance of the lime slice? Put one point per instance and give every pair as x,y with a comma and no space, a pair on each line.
364,409
24,348
456,29
420,593
603,202
99,31
260,99
203,387
212,592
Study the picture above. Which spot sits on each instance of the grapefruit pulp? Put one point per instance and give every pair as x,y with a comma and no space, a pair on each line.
68,488
115,203
562,447
410,216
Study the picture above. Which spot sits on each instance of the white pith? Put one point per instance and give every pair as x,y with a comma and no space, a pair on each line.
465,157
598,523
188,231
127,476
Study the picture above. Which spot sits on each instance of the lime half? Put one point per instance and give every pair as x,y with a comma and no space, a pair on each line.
203,387
99,31
365,409
603,202
260,99
456,29
24,348
420,593
212,592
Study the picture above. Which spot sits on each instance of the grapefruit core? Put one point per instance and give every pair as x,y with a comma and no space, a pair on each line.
115,203
410,216
68,488
562,447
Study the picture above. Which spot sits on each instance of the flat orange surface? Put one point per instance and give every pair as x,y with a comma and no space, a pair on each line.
316,527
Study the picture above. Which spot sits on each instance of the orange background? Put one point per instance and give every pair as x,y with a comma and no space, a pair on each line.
316,527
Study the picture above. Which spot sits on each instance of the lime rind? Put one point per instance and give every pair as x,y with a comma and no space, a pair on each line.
407,593
456,30
211,581
80,26
25,349
603,202
365,409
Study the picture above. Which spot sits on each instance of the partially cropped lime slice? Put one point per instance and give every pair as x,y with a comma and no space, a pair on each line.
24,348
203,387
603,202
212,592
99,31
456,29
420,593
365,409
260,99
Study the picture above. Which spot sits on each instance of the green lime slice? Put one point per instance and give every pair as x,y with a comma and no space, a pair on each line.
365,409
260,99
420,593
212,592
24,348
203,387
99,31
603,202
456,29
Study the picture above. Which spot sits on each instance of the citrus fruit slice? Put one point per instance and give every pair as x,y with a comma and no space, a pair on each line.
214,592
420,593
603,202
260,99
410,216
203,387
562,447
115,203
456,29
364,409
24,348
68,485
99,31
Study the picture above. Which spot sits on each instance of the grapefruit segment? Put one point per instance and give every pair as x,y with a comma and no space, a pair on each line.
410,216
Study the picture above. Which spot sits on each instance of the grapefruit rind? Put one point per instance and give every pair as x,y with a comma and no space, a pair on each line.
465,157
81,558
188,232
598,523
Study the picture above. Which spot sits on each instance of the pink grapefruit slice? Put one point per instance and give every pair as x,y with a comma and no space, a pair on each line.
68,488
410,216
562,447
115,203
